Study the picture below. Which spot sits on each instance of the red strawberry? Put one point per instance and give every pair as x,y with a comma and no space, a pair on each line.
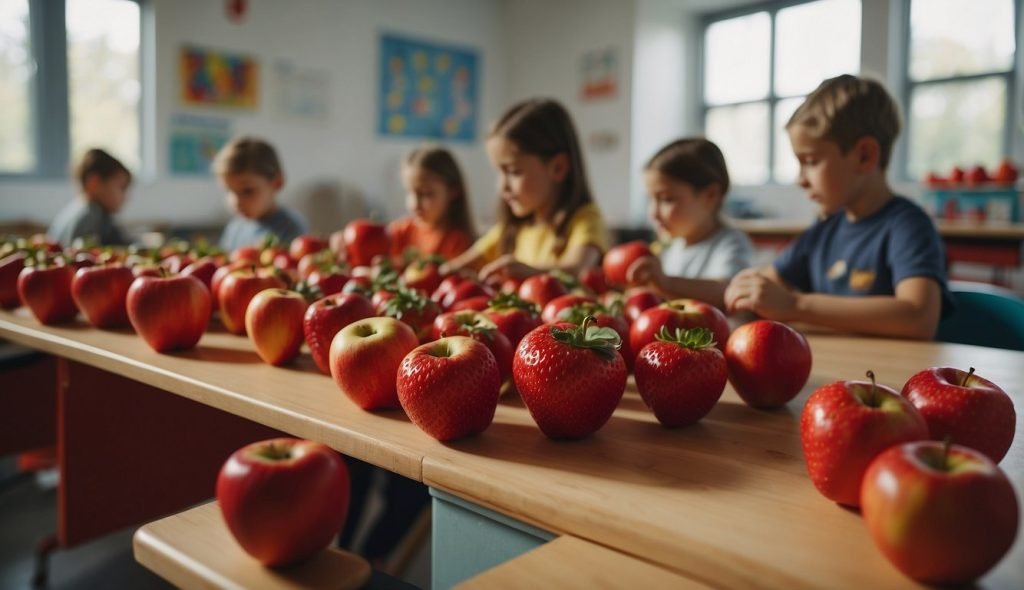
681,376
326,317
570,377
449,387
413,308
479,327
513,316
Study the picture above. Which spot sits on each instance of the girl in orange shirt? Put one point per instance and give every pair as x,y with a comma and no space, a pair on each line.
436,197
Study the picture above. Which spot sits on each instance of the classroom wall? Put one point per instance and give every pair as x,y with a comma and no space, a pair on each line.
337,37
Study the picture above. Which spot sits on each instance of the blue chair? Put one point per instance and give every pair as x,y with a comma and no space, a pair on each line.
985,315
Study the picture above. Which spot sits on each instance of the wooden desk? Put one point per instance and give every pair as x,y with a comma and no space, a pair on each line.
996,245
725,503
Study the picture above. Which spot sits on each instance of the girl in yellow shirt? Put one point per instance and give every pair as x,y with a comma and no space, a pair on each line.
547,218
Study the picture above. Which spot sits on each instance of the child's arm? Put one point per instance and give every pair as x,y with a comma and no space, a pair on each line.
573,261
468,259
647,270
913,312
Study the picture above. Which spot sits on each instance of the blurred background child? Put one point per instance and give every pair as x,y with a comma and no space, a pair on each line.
251,173
436,198
687,182
547,218
102,190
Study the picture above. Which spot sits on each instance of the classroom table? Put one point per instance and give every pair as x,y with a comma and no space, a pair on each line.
725,503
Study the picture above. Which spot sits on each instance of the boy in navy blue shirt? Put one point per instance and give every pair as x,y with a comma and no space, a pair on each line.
874,262
251,173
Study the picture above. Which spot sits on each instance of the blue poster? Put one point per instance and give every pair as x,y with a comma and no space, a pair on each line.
427,90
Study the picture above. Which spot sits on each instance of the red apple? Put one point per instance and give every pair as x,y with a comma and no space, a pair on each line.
553,311
363,240
478,326
45,288
447,284
541,288
464,290
956,175
769,363
10,268
681,375
478,303
971,410
593,278
678,313
1005,174
636,300
273,321
220,274
449,387
619,258
238,289
101,293
329,280
169,313
203,269
977,175
246,254
364,360
845,425
424,275
305,244
283,499
940,515
326,317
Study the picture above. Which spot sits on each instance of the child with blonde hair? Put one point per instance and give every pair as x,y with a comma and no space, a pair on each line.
103,187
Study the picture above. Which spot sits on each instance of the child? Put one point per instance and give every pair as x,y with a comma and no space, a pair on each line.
103,184
687,181
437,198
251,173
547,218
874,263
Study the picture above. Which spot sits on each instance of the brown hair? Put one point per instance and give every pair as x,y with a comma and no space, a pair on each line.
100,163
542,127
693,160
248,155
846,108
441,163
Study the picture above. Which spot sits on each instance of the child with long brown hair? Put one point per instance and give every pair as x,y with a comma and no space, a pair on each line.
547,218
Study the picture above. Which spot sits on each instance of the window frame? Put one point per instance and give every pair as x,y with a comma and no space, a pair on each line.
772,98
1010,77
49,92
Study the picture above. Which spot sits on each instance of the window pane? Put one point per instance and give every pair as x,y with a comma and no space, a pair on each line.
957,37
815,41
103,77
736,59
742,134
786,166
17,69
956,123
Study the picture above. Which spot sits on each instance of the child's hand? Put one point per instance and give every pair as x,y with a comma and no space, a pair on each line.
752,291
645,271
506,267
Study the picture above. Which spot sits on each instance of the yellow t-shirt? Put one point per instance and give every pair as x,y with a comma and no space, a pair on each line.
535,243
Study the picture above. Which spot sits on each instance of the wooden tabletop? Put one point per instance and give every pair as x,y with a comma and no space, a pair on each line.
957,229
726,502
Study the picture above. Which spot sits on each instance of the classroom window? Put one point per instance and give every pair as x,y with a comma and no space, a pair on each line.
69,80
17,68
960,80
758,67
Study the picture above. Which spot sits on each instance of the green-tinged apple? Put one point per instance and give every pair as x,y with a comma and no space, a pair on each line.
273,321
364,360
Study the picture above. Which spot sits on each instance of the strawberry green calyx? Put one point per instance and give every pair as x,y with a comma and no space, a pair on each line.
603,341
511,301
581,311
405,301
309,292
695,338
565,278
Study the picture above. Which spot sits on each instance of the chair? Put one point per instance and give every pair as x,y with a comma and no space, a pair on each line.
985,315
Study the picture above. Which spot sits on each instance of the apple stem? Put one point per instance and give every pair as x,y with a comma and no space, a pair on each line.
967,377
874,386
946,444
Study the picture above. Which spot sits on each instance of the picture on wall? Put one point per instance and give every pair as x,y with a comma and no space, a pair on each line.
427,90
301,94
210,77
194,141
599,71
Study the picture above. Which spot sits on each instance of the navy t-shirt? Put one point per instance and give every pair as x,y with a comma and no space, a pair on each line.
867,257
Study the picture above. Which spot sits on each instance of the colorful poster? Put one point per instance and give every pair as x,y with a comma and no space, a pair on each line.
427,90
194,141
599,71
210,77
